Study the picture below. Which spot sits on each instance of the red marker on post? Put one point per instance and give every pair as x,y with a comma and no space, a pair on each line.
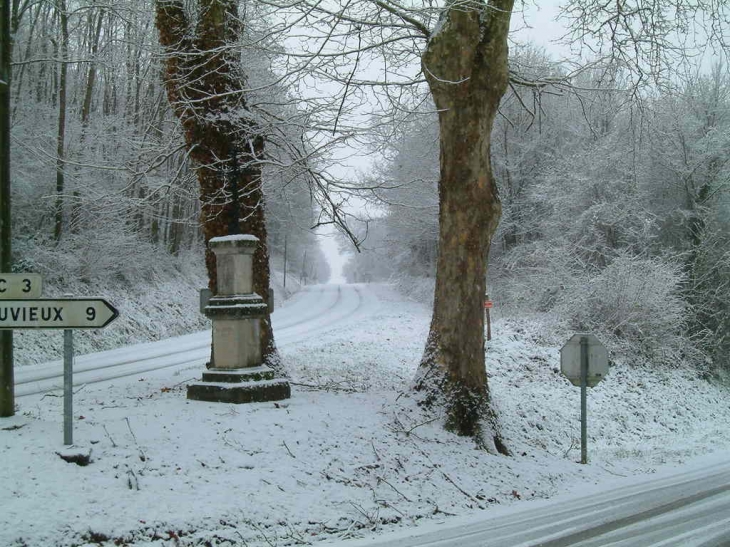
488,305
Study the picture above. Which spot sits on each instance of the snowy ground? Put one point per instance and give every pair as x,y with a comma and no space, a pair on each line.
348,456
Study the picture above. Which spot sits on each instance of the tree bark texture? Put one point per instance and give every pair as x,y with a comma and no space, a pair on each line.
465,64
204,86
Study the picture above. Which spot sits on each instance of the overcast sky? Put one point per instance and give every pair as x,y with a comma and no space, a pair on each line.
531,23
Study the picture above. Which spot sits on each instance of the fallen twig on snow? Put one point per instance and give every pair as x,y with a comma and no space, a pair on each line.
329,386
59,395
401,494
132,481
185,381
142,455
445,475
114,445
573,445
260,531
613,473
287,449
377,456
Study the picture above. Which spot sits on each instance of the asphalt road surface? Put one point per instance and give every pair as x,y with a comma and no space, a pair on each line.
687,509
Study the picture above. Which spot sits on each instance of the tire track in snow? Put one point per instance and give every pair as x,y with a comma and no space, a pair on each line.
348,305
319,309
311,314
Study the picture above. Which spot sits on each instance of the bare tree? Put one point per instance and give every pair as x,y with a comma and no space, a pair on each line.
466,66
464,61
205,86
463,51
120,151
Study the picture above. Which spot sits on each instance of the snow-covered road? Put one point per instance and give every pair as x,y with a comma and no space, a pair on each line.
686,509
313,311
352,453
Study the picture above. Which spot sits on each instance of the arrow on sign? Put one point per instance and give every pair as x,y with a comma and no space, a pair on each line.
66,313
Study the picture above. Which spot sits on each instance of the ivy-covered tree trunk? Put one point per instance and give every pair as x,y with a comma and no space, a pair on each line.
465,64
205,84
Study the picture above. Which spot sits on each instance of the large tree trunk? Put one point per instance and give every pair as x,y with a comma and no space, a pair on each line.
465,64
204,89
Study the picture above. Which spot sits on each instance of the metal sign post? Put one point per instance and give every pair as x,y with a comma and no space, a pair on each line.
68,386
583,400
27,311
584,361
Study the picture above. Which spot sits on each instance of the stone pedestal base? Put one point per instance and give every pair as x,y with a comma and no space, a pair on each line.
237,375
242,385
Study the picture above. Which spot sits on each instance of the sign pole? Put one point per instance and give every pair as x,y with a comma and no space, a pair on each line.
584,361
68,386
24,310
583,400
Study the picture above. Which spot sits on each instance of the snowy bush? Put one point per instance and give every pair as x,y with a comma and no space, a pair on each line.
709,293
606,229
635,303
418,289
531,277
97,256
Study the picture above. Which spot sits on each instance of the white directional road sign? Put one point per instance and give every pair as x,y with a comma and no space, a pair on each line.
65,313
22,285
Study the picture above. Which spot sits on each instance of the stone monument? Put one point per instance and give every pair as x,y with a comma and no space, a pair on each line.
237,375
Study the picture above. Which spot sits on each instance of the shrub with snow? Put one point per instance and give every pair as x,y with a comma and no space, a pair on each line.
635,303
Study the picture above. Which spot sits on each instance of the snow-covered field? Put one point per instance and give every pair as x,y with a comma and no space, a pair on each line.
348,455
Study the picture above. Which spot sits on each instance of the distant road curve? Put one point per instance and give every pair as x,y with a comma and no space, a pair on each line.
686,509
314,310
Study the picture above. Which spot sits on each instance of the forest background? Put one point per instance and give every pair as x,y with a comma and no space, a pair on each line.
615,206
105,198
615,211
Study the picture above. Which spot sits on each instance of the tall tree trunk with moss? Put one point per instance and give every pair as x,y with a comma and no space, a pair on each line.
465,64
205,84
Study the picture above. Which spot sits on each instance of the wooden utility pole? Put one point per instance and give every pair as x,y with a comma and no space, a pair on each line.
7,387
